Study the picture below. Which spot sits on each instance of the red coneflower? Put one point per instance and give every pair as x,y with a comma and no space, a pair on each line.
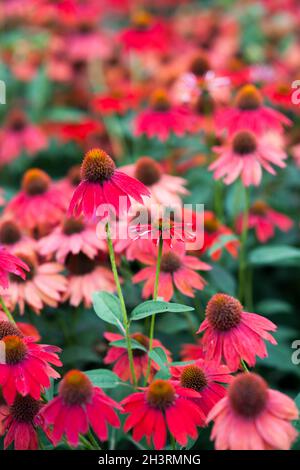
232,334
253,417
27,369
204,377
79,405
176,267
20,421
250,113
119,357
37,192
214,230
163,119
10,264
192,352
162,407
263,219
245,155
102,183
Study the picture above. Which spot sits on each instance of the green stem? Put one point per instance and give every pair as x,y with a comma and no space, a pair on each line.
173,442
93,440
6,311
244,366
86,443
218,202
155,295
243,257
122,301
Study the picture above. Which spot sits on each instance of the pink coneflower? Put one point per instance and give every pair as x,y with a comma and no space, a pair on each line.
253,417
19,422
192,352
204,377
86,276
10,264
37,192
86,42
245,156
232,334
68,184
164,189
214,230
146,34
71,236
176,267
26,329
162,407
18,136
43,286
263,219
12,237
250,113
79,405
163,119
27,369
103,184
119,357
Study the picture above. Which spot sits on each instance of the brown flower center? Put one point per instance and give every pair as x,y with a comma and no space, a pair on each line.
35,181
80,264
15,349
193,377
76,388
248,98
72,225
223,312
200,65
259,208
24,409
160,394
211,225
143,340
74,175
170,262
8,329
97,166
248,395
147,171
141,20
159,101
244,143
9,233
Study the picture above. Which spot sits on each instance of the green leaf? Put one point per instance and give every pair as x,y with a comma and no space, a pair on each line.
151,307
122,343
107,307
275,255
159,356
103,378
223,240
222,280
65,115
273,306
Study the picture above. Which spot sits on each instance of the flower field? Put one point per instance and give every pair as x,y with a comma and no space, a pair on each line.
149,225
